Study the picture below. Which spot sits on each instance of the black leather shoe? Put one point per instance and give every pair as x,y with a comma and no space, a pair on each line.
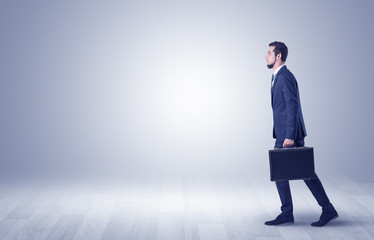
280,220
325,219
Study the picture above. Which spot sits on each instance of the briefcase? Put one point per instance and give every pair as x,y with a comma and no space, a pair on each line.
291,163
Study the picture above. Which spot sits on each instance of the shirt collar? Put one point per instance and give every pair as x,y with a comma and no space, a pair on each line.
277,69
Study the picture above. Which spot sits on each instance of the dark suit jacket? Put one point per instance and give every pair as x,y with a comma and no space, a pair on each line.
285,101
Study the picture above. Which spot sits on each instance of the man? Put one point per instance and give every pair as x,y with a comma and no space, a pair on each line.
289,131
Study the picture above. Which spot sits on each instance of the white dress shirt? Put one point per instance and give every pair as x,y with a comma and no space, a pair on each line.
275,73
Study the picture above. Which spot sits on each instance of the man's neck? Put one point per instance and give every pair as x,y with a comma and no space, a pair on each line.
277,64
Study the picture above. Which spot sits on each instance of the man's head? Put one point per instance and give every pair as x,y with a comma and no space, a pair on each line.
276,55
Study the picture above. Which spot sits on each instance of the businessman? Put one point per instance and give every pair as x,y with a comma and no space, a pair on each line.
289,131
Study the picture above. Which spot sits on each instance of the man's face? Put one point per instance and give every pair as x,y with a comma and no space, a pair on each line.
270,57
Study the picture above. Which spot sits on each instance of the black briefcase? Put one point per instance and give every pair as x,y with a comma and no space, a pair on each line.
291,163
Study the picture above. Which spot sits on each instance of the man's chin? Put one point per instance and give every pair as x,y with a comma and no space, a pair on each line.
270,66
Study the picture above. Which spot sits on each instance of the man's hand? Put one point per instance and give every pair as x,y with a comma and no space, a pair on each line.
288,142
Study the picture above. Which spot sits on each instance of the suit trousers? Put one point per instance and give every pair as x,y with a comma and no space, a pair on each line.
314,185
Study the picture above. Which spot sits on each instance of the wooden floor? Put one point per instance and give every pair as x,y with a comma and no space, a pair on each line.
178,208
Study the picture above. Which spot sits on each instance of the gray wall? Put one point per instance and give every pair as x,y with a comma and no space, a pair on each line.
127,87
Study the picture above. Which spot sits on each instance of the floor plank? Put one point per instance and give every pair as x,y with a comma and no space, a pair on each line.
66,227
97,217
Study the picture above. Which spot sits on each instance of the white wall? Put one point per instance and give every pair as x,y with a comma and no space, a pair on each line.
120,87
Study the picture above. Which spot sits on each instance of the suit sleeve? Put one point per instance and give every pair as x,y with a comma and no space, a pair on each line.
290,96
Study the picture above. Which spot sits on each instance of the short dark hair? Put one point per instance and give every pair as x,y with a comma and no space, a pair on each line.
280,48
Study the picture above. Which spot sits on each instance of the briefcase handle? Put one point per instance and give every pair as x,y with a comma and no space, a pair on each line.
290,148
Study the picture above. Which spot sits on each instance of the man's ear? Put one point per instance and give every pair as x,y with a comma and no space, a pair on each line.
279,56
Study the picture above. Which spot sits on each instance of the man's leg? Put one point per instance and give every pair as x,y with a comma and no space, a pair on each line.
315,186
328,211
287,209
284,192
285,197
